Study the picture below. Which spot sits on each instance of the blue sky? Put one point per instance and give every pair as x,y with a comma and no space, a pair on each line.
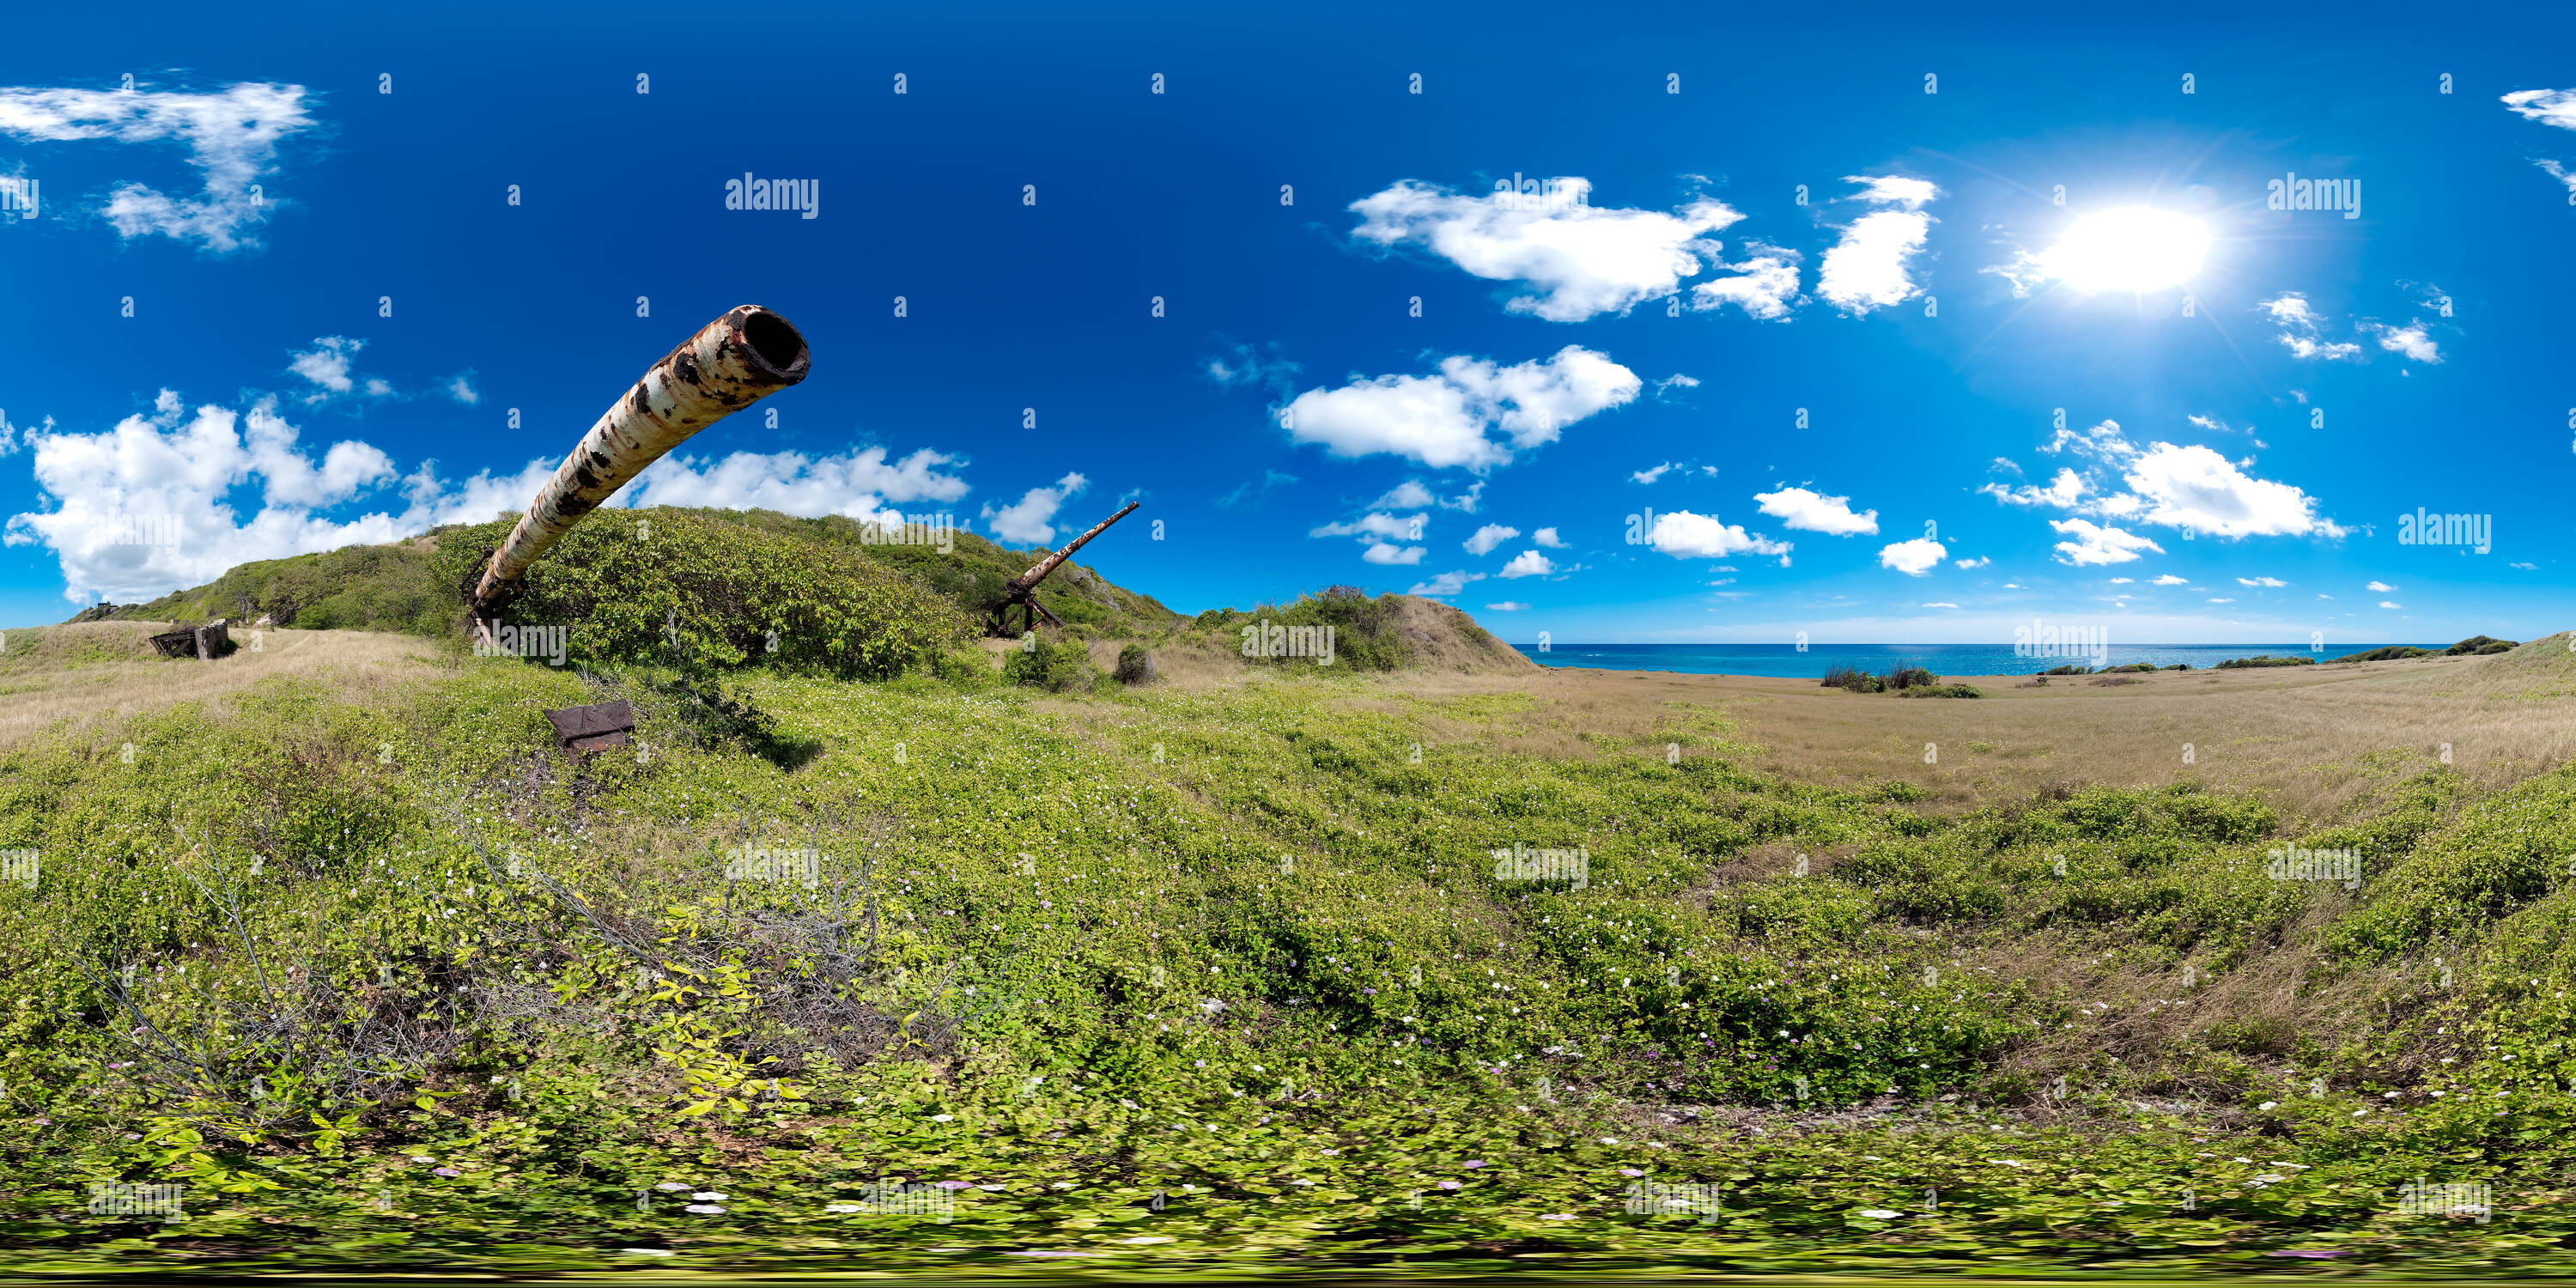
1778,341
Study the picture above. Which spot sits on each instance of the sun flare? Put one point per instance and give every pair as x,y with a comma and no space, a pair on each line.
2137,250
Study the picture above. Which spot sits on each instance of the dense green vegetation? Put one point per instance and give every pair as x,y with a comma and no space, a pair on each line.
1896,679
2475,645
411,586
704,594
1230,978
362,588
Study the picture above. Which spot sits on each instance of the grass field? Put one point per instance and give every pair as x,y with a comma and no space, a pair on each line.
1222,975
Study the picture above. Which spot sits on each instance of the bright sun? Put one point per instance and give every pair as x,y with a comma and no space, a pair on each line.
2137,250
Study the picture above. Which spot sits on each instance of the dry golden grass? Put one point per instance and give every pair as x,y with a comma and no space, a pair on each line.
2317,742
100,671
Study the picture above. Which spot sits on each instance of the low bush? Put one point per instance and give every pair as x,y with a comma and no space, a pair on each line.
1943,691
2243,663
703,594
1841,676
1136,665
1063,666
1906,676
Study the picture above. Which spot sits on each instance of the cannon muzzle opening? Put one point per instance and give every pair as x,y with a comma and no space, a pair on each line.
728,365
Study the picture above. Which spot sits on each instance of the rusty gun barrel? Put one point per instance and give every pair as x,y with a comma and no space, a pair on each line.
728,365
1038,571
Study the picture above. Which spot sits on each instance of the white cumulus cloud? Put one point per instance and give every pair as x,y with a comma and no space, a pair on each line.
1806,511
1870,268
1032,517
857,484
2094,544
1445,585
1685,535
1386,527
231,138
2196,488
1577,260
1913,558
1488,537
1528,563
1443,420
2547,106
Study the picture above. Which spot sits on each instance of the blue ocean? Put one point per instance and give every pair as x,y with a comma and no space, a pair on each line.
1788,660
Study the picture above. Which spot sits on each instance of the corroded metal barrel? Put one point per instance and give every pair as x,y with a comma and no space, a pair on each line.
728,365
1038,572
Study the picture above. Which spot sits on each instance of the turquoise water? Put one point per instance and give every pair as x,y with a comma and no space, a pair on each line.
1942,659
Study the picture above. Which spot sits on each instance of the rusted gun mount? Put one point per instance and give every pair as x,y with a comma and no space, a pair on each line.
1022,591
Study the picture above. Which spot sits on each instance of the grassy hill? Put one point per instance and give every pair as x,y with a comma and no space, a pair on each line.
1228,976
408,587
1425,961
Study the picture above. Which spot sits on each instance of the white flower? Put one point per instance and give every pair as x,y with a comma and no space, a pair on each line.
708,1196
840,1207
670,1185
1556,1216
422,1158
2267,1106
1880,1214
704,1208
993,1188
943,1118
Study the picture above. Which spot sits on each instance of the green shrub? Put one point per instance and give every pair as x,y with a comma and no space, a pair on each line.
1852,678
2068,669
1907,676
1943,691
2481,644
1061,666
700,593
2390,653
1364,637
1136,665
2242,663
